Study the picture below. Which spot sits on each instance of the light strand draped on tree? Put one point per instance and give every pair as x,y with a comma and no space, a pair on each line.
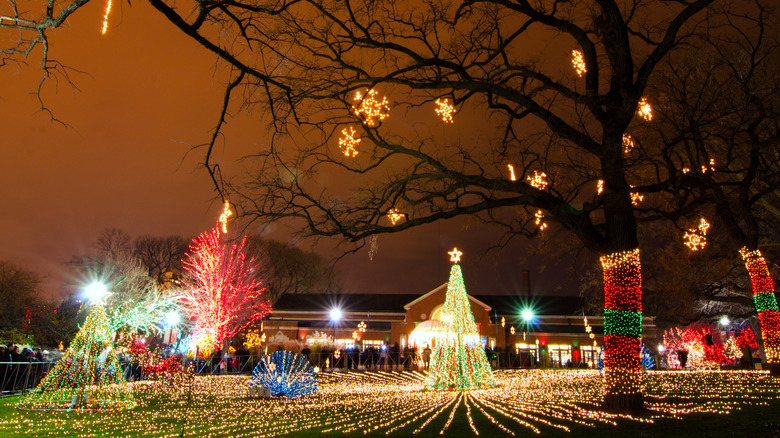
766,305
223,294
88,377
458,360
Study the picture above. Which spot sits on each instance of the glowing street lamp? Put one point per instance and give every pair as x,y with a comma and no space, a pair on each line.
96,292
724,320
528,315
335,317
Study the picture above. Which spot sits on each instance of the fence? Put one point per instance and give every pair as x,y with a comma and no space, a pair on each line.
22,376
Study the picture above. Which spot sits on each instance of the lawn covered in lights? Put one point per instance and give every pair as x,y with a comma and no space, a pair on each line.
549,402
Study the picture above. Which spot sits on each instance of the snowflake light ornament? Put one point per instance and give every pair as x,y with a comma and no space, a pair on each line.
370,109
445,110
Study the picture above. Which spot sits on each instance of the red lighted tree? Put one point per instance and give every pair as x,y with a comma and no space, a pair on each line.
222,295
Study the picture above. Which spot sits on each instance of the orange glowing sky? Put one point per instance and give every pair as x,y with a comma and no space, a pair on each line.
146,94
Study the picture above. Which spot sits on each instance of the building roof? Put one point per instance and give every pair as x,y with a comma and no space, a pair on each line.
505,305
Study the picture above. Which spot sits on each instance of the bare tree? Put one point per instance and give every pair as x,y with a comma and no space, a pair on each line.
720,139
161,256
289,270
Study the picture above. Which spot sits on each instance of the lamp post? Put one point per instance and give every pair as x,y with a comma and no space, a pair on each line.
528,315
335,317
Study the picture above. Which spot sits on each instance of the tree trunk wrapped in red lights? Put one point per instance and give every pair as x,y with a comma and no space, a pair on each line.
224,294
622,331
766,305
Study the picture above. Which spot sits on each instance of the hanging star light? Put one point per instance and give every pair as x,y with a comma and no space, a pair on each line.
361,327
600,186
105,18
512,176
695,238
628,143
579,62
539,215
371,110
348,143
394,215
223,218
538,180
512,330
503,322
645,110
445,110
455,255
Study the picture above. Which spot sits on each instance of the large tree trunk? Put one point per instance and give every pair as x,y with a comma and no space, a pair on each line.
766,306
622,332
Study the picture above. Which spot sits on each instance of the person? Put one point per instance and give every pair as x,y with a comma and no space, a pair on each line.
427,356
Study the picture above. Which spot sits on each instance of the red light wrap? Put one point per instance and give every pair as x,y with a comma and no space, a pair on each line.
627,349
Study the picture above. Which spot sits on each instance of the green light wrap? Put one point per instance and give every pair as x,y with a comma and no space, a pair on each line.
765,301
622,322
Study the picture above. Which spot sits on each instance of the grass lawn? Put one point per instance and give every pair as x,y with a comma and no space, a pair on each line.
554,403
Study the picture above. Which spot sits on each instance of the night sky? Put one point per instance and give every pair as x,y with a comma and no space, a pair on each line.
147,93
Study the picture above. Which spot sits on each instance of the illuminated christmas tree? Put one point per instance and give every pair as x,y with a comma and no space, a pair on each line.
458,361
88,377
223,295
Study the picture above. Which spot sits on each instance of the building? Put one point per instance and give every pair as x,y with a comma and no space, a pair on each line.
551,328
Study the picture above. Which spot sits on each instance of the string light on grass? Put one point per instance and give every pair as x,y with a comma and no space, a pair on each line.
445,110
394,215
765,302
696,238
348,143
370,109
105,17
512,176
538,180
579,62
645,110
539,220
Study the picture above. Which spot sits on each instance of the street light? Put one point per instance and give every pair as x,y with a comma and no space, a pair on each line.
96,292
335,317
724,320
528,315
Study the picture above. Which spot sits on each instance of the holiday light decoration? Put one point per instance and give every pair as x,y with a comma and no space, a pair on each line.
225,295
636,198
692,340
539,220
286,374
696,238
88,378
648,362
391,404
445,110
538,180
622,324
223,217
712,164
394,215
373,246
645,110
512,176
628,143
579,62
458,361
105,17
765,302
362,327
600,186
686,170
370,109
348,143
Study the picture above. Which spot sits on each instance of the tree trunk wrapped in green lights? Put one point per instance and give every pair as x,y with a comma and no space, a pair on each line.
458,361
622,331
88,377
766,306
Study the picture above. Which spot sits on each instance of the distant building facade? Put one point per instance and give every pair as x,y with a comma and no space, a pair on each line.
554,335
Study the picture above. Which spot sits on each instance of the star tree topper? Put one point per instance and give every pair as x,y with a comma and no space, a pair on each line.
455,255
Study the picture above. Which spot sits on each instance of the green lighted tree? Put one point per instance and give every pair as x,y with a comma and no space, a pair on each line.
88,377
458,361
